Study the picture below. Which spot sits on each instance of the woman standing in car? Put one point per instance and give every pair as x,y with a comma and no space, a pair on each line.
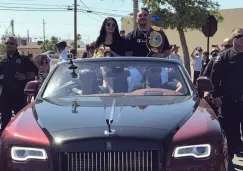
109,42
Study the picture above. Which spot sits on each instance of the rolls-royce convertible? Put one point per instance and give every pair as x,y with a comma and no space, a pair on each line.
115,114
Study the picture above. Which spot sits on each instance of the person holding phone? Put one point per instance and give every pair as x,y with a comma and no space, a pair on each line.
198,58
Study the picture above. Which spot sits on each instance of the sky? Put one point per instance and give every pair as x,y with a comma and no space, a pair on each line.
60,23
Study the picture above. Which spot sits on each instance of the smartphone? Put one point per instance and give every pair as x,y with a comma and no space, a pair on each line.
214,45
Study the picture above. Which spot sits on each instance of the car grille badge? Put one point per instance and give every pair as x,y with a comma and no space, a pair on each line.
110,120
108,145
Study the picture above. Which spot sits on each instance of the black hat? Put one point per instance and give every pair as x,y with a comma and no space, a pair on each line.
61,44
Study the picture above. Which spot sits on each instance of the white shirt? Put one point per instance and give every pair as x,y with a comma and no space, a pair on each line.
198,63
50,60
136,77
174,56
63,56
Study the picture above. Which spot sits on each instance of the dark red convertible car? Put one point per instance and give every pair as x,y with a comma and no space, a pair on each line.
116,114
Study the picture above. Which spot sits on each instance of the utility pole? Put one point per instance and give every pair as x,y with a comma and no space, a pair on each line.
75,25
12,26
28,35
135,11
44,30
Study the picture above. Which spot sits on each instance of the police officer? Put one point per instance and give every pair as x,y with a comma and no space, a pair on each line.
15,71
63,53
227,74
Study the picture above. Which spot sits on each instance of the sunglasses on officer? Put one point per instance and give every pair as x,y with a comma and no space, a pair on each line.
9,43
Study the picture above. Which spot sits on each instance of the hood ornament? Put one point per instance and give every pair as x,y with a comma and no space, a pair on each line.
110,120
75,106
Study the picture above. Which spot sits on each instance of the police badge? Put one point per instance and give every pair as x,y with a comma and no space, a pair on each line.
155,40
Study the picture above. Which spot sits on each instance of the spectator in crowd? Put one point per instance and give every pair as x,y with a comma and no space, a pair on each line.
227,44
198,58
205,61
174,53
89,50
73,52
44,69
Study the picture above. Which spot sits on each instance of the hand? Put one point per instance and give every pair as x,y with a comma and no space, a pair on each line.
1,90
107,49
30,75
217,102
20,76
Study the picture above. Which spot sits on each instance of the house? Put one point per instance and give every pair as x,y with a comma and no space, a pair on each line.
31,48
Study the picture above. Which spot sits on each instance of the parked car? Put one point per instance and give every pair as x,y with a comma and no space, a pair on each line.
52,54
116,114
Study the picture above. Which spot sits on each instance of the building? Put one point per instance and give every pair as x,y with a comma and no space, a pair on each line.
232,19
31,48
20,40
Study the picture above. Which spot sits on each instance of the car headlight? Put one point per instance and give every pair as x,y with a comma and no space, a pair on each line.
197,151
24,153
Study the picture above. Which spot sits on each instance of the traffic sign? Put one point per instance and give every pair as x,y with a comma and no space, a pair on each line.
211,26
155,18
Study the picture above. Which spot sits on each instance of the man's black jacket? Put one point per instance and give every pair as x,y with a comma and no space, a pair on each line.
227,73
9,66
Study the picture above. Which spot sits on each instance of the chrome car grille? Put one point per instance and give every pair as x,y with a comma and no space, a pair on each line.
111,161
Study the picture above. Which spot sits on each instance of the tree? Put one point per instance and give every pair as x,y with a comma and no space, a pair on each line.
1,49
183,15
50,45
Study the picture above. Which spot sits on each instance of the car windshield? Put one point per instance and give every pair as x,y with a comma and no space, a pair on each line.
116,78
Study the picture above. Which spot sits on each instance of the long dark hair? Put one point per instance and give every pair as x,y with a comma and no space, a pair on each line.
101,37
44,57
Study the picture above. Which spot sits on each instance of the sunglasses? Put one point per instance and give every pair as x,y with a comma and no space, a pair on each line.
239,36
142,15
9,43
110,24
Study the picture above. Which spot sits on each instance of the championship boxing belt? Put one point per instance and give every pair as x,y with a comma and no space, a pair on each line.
155,40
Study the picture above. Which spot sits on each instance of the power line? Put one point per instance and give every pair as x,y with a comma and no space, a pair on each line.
88,9
52,5
4,8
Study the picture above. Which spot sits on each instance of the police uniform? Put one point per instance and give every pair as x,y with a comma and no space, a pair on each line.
227,78
13,97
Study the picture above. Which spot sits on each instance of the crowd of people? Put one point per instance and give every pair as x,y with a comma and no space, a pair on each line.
222,65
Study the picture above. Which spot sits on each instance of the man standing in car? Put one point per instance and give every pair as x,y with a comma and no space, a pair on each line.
227,74
15,72
63,53
138,37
